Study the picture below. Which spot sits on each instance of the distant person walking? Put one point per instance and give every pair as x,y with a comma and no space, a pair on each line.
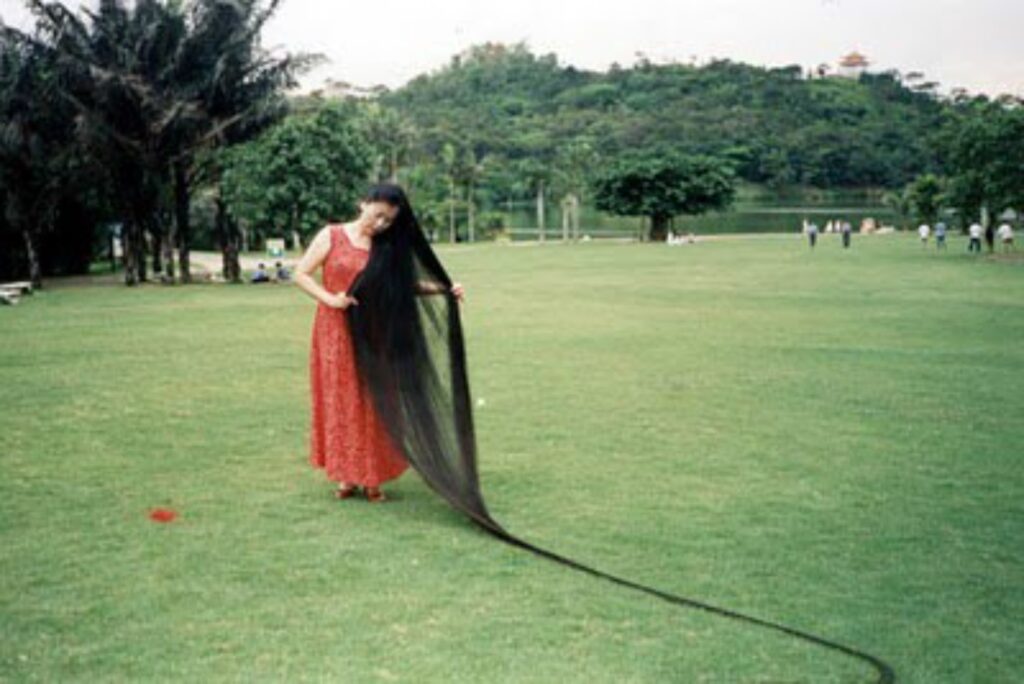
940,235
974,233
1005,234
812,234
923,230
847,231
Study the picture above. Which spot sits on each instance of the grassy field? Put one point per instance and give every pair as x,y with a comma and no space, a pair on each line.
832,440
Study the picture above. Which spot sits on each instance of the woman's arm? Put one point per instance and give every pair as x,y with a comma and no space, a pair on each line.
429,287
313,259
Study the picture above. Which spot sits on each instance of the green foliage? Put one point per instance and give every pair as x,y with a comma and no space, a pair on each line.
926,194
984,141
306,171
900,202
661,185
778,127
41,166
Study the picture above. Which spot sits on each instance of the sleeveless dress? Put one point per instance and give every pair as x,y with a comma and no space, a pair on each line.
346,437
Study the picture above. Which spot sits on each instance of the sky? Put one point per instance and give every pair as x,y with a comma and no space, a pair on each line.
973,44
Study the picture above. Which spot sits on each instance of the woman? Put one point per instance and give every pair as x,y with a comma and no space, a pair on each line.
347,437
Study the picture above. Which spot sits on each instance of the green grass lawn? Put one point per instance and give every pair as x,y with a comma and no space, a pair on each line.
832,440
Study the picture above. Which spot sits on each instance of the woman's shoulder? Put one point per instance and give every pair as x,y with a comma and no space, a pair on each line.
327,234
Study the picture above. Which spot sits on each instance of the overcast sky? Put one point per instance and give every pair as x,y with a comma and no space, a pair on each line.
976,44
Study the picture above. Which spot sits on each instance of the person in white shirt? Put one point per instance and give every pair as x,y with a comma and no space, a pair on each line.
1005,234
923,230
974,232
812,233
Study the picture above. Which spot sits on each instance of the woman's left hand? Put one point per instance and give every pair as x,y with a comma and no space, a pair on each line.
457,290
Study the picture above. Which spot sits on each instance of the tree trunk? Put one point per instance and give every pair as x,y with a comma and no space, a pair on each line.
113,255
575,218
140,251
35,273
470,213
168,246
540,211
451,208
659,228
130,252
231,269
565,219
156,244
181,220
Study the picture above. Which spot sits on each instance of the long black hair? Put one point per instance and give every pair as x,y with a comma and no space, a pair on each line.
410,355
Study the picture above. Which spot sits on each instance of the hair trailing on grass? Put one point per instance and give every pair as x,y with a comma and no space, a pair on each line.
410,355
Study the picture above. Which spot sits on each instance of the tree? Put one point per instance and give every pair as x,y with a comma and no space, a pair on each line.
536,175
926,195
113,71
984,145
392,136
575,165
305,171
661,185
899,201
156,83
240,87
39,162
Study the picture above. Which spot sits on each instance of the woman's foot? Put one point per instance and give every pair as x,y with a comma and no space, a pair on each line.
345,491
375,495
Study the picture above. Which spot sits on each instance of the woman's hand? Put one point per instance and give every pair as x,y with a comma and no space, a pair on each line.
458,291
340,300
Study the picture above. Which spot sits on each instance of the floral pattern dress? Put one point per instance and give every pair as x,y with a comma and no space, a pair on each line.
346,437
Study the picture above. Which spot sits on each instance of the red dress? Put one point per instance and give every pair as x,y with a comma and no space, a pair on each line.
347,438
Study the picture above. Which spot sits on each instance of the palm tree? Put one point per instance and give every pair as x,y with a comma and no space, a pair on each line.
38,158
575,164
240,88
154,85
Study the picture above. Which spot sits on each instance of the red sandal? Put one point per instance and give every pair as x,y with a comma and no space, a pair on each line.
346,492
375,495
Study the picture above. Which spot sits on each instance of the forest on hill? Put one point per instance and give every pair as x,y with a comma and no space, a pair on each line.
776,126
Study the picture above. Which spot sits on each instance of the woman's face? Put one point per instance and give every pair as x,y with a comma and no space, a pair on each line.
378,215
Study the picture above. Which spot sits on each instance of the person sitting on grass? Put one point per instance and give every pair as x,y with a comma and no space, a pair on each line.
260,275
282,272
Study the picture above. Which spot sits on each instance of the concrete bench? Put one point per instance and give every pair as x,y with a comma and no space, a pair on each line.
21,287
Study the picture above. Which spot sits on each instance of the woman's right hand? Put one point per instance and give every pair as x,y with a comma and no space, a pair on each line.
340,300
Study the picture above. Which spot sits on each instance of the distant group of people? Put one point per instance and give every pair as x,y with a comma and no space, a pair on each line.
975,234
1004,233
280,273
924,230
680,239
844,228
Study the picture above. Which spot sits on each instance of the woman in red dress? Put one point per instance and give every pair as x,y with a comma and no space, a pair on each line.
347,438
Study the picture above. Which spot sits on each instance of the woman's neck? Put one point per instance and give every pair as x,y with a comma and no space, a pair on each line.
358,233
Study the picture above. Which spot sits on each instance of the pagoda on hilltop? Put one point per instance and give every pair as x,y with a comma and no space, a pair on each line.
853,65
